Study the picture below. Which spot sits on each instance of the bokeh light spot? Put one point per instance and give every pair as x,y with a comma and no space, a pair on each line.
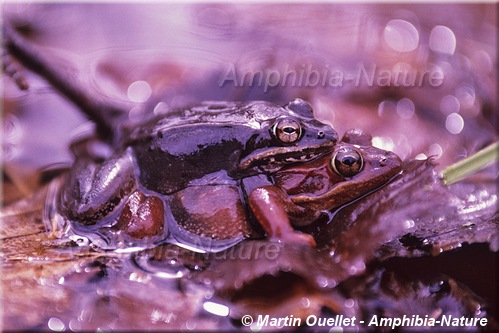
443,40
401,35
139,91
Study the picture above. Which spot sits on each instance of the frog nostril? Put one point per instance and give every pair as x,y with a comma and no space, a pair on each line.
382,161
320,135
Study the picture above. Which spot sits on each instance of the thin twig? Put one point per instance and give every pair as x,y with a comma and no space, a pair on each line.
104,113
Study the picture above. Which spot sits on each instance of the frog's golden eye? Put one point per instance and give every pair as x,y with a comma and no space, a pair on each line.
287,130
347,162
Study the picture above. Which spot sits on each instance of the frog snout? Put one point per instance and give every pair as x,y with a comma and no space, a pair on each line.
390,160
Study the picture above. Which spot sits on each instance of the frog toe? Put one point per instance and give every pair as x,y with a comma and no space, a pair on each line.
297,238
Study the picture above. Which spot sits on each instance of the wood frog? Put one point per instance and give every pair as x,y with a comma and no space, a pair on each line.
301,193
187,168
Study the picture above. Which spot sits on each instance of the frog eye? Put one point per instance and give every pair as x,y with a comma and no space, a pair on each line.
347,162
287,131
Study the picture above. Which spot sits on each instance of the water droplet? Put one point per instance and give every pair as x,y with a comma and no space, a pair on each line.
421,157
449,104
405,108
56,325
443,40
401,35
139,91
454,123
136,277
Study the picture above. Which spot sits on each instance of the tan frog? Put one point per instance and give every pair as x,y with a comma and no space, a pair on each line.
302,192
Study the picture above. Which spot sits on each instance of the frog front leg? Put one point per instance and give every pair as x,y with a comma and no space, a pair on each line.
92,190
272,208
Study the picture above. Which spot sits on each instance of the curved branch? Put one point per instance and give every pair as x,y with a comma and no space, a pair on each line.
103,112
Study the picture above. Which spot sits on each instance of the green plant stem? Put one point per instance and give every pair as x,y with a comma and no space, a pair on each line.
471,164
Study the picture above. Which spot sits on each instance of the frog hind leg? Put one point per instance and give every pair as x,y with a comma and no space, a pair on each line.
93,190
142,216
271,207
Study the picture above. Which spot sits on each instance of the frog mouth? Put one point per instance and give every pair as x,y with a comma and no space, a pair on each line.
274,159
